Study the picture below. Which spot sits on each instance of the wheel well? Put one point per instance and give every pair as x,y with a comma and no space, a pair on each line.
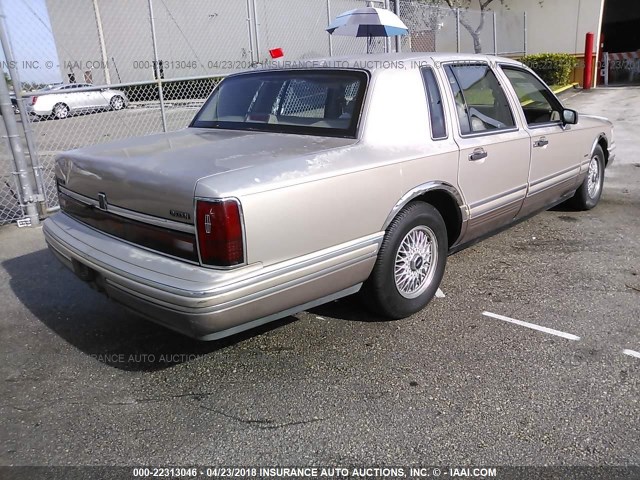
448,209
602,141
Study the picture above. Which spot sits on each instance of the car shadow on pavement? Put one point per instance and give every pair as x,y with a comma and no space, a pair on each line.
565,208
100,328
352,308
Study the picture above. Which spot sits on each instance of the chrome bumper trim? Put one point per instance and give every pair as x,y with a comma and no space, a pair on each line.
131,215
228,301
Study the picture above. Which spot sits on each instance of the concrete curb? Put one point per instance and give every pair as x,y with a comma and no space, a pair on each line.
565,88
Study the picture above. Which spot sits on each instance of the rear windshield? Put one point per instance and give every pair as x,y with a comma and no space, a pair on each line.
323,103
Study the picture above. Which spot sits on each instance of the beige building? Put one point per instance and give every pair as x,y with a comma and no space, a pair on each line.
559,25
512,28
208,37
539,26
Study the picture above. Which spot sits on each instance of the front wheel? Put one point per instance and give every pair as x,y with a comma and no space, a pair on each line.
589,193
410,264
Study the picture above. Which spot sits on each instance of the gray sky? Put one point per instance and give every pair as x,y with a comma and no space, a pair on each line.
31,39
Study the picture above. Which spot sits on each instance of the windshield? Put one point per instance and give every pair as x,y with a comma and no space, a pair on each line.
304,102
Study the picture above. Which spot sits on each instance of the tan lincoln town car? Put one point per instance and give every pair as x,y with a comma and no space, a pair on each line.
292,187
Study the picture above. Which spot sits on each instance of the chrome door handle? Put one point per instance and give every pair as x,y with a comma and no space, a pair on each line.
543,142
478,154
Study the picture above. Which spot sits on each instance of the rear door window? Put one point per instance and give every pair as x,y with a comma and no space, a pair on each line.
481,104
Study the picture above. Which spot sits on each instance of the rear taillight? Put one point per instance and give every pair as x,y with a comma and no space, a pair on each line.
34,99
219,224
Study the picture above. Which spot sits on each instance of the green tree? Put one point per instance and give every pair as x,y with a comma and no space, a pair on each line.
474,30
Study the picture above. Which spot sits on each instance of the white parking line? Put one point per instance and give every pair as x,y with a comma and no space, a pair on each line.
533,326
631,353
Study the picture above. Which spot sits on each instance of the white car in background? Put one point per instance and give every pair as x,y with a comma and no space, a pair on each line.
62,100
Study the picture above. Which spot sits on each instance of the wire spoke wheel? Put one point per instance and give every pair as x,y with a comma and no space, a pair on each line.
410,263
415,262
593,178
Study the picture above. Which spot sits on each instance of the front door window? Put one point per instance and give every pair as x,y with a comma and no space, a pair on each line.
540,106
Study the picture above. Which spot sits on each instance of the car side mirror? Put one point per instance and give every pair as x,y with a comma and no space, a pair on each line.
569,117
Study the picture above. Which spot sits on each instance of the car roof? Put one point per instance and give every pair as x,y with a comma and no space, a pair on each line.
381,61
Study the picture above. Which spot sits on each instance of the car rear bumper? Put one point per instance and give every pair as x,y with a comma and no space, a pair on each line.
200,302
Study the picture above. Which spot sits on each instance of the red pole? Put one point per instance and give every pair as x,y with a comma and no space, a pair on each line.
587,81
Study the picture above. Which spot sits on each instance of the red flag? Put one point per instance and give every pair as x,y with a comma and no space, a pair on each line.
276,53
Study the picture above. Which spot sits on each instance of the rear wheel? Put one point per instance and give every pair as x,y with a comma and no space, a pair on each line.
589,193
410,263
60,111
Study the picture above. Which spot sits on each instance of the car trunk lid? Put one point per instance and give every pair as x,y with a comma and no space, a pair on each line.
156,175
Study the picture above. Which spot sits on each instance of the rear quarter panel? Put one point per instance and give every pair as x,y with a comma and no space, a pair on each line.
289,222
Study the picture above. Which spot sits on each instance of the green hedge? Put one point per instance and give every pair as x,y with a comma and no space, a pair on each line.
553,68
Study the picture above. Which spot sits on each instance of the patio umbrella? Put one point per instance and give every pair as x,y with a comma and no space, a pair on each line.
368,22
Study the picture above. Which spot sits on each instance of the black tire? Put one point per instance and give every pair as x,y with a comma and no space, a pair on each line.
116,102
60,111
585,197
381,293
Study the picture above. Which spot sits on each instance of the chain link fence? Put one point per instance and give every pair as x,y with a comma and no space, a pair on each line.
444,29
10,208
95,71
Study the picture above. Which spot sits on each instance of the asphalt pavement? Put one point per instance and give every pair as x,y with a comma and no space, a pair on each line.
85,382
